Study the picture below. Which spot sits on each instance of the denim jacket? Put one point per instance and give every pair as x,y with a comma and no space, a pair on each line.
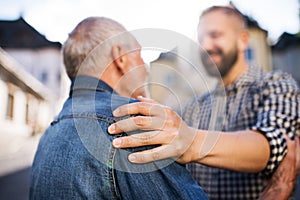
76,160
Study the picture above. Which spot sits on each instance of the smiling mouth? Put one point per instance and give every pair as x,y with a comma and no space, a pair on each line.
212,58
214,54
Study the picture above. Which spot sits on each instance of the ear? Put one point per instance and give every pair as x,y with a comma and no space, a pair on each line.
119,58
243,40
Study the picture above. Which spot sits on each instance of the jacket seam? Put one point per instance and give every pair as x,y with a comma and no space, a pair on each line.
89,116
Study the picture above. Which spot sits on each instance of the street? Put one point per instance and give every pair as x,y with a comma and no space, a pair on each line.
16,155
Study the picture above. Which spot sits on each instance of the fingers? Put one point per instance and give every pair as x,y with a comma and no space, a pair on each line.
144,139
290,157
293,155
155,117
137,123
141,139
165,126
151,155
147,100
297,154
291,145
143,108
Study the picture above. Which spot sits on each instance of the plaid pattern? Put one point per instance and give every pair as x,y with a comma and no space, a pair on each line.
267,102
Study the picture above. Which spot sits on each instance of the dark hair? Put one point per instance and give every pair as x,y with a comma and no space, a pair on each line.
227,10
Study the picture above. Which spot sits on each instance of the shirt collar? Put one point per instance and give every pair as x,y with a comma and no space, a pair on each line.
248,77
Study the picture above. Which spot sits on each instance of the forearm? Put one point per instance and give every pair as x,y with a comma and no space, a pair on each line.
280,192
245,151
281,185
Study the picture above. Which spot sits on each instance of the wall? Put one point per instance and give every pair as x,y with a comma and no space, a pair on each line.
261,49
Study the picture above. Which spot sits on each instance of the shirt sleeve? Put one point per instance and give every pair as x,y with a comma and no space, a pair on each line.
278,115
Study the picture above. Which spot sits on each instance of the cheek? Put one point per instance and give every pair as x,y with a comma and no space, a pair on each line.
136,60
141,67
143,73
138,74
223,46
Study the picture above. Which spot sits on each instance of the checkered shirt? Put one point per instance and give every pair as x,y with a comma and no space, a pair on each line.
266,102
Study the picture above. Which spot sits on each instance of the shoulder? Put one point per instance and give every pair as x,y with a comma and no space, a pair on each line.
193,104
278,82
279,76
196,100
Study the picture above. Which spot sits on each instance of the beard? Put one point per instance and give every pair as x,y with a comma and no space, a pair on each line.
226,62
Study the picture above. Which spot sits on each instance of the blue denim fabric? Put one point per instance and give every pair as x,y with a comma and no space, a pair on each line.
75,158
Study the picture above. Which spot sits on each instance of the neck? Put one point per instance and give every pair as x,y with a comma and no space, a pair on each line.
236,71
121,84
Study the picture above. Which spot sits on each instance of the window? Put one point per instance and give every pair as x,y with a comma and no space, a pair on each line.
249,54
44,77
10,106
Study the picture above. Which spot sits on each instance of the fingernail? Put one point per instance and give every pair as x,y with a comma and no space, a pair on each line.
117,142
112,128
132,158
116,112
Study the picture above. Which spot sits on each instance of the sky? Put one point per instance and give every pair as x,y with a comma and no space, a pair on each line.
56,18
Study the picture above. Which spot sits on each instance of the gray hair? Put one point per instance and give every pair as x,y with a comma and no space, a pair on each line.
88,48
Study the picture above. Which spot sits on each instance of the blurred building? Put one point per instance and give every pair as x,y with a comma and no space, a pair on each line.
24,101
178,75
34,84
259,50
286,55
37,55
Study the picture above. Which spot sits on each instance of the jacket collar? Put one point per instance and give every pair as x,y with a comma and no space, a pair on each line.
89,83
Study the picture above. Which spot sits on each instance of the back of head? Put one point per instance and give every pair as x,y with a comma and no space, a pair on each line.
86,36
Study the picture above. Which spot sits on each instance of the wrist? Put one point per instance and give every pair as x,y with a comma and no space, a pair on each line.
196,145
